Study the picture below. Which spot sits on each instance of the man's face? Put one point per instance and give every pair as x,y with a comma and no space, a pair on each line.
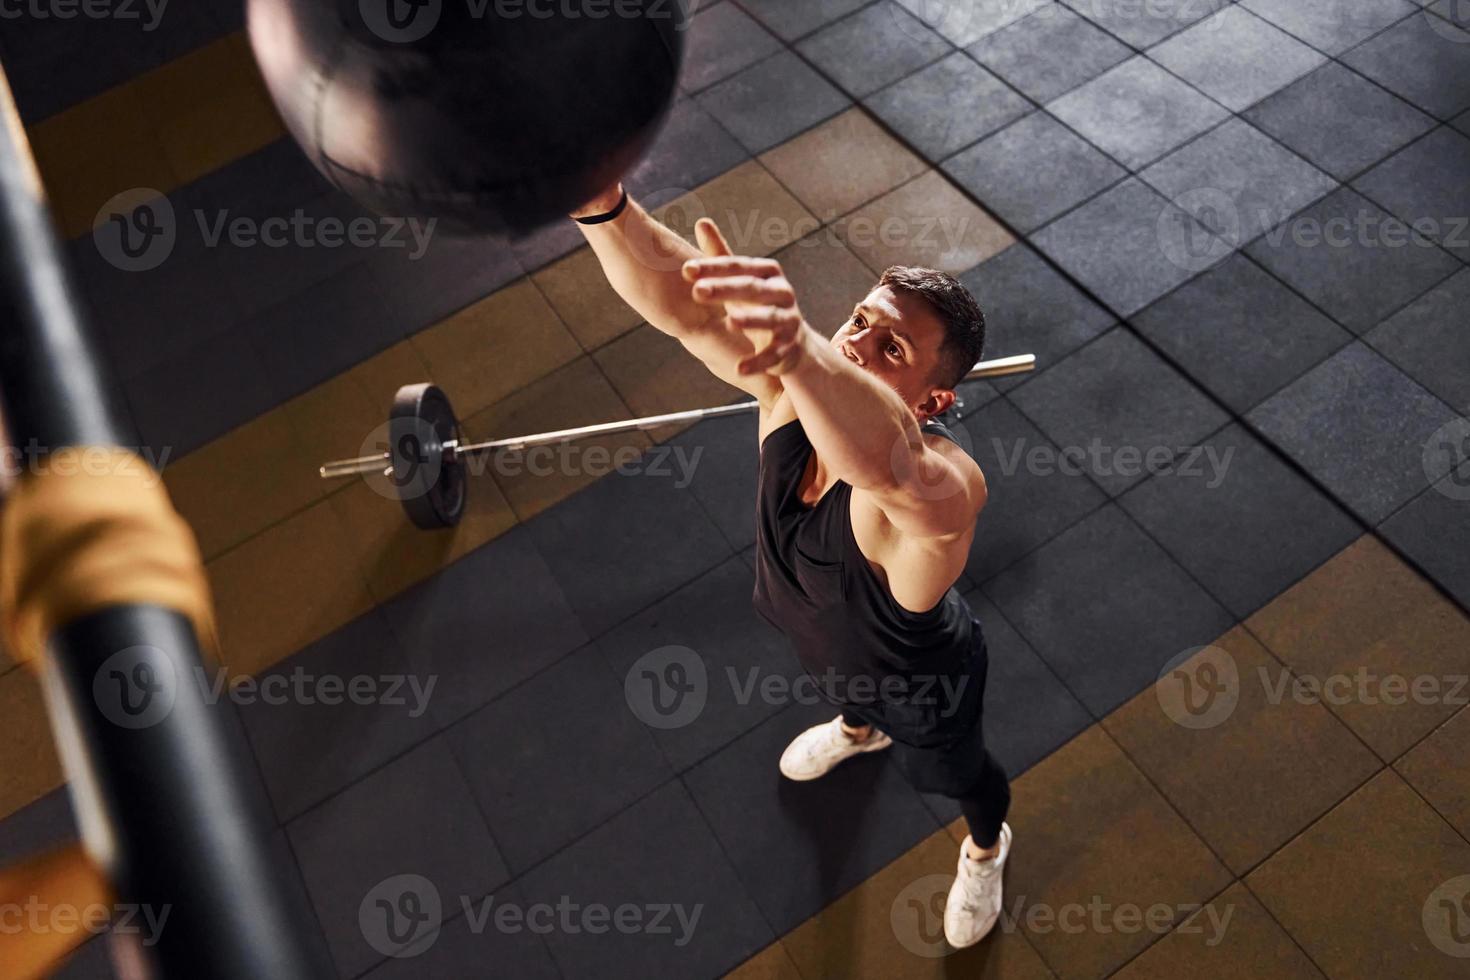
896,337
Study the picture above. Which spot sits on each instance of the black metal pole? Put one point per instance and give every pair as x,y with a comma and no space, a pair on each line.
169,800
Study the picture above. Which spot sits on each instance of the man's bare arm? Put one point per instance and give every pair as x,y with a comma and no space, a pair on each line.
860,428
927,487
643,261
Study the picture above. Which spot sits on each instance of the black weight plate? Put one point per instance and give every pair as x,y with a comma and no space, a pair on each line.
431,485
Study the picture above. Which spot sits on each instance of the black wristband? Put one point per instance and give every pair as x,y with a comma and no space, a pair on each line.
598,219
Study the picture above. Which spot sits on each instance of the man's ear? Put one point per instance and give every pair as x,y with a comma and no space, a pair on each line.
938,402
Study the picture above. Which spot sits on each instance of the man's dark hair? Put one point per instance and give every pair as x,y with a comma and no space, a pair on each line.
964,321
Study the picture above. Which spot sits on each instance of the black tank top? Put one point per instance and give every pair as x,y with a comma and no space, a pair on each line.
914,675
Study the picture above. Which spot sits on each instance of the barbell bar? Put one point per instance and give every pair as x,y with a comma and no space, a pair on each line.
426,448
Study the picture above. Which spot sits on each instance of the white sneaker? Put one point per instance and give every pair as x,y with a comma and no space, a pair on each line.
815,751
974,899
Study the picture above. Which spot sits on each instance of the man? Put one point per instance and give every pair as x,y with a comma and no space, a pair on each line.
866,507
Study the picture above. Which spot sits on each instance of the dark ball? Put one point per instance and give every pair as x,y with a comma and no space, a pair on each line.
490,115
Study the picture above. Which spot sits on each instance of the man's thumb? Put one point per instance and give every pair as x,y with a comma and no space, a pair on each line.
711,242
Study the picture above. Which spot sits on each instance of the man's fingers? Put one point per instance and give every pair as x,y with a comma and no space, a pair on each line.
773,318
745,289
711,242
773,356
730,265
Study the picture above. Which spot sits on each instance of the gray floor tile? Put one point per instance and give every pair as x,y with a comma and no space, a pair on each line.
1359,425
1332,26
1136,112
873,47
267,181
1106,608
1145,24
1032,171
720,41
967,21
719,458
1429,342
1462,123
59,59
721,639
1130,246
328,328
1237,181
200,392
1428,64
1428,183
772,101
797,846
256,274
414,817
1028,711
1049,52
1352,259
91,961
44,825
624,543
691,149
471,944
279,851
1031,496
947,106
145,317
1240,520
1120,408
1240,333
555,758
450,275
1433,531
1030,308
1339,120
351,697
545,245
1210,54
484,624
791,20
656,854
970,397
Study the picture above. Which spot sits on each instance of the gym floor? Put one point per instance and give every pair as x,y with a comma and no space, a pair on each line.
1143,195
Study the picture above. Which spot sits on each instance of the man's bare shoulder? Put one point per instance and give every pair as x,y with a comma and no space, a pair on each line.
961,458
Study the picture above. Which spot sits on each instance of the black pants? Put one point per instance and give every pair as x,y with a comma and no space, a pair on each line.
963,770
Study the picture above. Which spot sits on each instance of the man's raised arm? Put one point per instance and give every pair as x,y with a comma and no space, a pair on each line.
860,427
643,261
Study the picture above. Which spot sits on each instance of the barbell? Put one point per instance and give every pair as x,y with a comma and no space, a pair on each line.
426,454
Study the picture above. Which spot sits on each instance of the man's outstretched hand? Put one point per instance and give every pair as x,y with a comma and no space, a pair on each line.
756,298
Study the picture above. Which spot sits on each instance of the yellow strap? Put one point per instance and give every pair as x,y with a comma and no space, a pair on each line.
92,527
49,906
